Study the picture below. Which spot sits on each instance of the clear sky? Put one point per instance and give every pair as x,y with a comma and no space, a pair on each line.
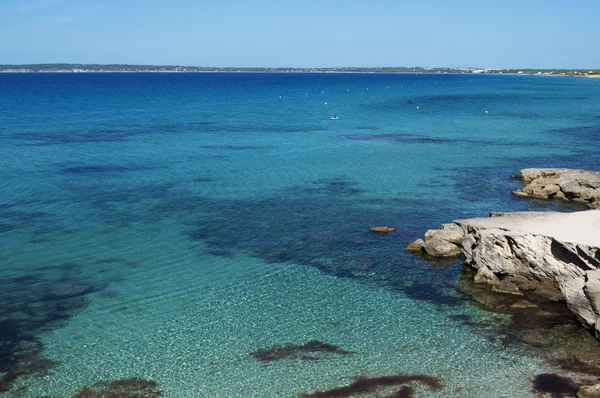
305,33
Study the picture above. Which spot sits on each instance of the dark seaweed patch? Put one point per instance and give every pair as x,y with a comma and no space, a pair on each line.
576,365
426,291
468,321
221,253
107,201
7,228
448,101
400,138
110,260
125,133
235,147
584,131
494,186
521,115
291,351
309,358
31,304
100,169
124,388
49,229
554,314
332,188
454,98
72,137
365,385
325,231
14,217
554,385
260,128
203,179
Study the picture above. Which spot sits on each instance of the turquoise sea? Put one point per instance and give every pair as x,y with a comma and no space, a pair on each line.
176,227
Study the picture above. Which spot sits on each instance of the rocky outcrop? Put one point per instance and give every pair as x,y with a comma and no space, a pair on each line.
553,255
534,255
443,242
566,184
382,229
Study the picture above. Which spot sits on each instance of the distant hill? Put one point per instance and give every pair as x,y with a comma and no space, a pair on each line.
82,68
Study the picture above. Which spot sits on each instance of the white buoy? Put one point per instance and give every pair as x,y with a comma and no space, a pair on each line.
280,96
367,88
322,92
417,107
486,112
326,103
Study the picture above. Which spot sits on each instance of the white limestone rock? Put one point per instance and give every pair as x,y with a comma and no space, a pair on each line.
443,242
566,184
561,250
437,247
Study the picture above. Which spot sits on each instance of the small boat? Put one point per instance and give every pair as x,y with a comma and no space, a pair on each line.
333,117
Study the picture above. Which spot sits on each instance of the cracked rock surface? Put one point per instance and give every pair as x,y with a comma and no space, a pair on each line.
556,255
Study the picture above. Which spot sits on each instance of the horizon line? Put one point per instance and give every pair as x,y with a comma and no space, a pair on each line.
275,67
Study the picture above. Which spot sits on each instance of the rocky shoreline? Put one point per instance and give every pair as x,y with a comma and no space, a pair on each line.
547,254
532,258
551,255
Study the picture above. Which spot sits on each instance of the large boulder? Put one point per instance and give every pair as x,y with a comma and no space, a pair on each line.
589,391
437,247
443,242
552,255
449,232
566,184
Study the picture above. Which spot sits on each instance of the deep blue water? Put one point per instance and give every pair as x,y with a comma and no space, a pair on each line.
164,226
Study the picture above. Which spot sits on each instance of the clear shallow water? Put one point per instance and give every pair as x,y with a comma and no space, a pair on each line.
165,226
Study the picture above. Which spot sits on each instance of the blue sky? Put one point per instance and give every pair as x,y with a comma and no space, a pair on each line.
307,33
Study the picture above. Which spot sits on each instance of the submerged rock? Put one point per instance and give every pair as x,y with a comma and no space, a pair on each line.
536,338
383,229
589,391
292,350
506,287
523,304
486,276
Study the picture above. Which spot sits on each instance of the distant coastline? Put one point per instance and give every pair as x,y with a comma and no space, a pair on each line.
123,68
